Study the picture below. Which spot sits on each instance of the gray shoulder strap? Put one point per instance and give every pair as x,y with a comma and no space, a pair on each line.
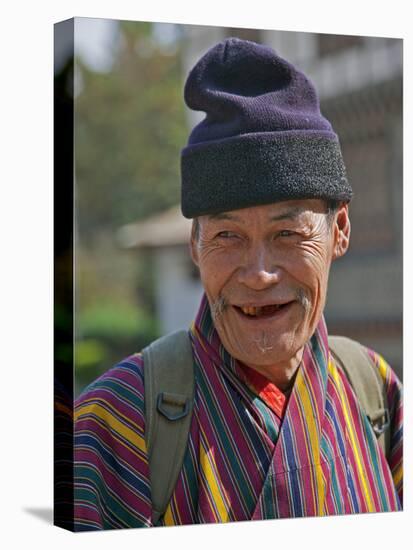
367,384
169,393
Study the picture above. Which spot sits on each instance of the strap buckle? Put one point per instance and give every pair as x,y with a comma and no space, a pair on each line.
380,422
175,400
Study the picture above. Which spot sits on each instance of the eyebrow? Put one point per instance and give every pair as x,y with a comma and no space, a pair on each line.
288,215
291,214
224,216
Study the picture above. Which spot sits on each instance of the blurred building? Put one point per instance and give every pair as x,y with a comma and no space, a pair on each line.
359,80
177,286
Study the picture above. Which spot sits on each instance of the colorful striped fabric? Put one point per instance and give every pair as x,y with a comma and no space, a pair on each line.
243,460
268,392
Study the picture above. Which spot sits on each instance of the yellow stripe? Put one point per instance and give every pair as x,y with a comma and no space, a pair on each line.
314,439
130,435
382,367
398,475
168,517
209,468
354,444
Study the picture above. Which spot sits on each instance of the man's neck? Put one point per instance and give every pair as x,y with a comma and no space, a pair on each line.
282,376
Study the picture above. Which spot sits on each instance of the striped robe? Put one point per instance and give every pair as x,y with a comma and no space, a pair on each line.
243,460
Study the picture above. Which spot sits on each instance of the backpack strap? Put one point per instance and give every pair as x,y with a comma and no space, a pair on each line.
367,384
169,396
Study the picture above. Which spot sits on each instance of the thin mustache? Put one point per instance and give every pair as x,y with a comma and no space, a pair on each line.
303,299
222,303
218,307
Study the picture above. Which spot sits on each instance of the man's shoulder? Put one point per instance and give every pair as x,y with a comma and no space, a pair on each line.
385,370
388,380
340,344
110,453
118,394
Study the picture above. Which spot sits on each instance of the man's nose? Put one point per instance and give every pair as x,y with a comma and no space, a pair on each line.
259,269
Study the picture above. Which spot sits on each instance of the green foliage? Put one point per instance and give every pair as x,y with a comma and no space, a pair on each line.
114,321
129,132
130,128
89,353
107,333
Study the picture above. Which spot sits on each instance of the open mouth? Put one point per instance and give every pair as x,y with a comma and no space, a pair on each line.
259,312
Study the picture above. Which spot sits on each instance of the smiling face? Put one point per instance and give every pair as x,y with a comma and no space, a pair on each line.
265,273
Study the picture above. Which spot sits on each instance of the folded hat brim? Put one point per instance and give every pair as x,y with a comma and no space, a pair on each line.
262,168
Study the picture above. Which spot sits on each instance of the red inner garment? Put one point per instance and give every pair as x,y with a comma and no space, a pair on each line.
266,390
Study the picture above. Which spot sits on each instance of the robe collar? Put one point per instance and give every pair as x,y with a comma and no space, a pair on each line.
314,362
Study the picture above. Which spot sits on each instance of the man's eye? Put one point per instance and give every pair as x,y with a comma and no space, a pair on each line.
227,235
286,233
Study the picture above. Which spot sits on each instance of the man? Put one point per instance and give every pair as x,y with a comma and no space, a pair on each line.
276,428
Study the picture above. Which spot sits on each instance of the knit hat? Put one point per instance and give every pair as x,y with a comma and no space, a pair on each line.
263,139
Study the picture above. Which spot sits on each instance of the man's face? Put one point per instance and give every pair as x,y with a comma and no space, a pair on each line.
265,273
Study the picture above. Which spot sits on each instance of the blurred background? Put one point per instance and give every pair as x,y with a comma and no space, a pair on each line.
133,276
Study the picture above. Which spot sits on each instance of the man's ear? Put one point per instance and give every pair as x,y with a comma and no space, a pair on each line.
341,229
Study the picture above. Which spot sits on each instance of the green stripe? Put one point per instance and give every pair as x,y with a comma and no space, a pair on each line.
372,445
122,515
325,449
242,481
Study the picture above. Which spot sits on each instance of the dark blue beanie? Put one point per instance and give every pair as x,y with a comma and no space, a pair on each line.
263,139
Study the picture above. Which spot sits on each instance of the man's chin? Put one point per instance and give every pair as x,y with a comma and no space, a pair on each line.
265,351
264,343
